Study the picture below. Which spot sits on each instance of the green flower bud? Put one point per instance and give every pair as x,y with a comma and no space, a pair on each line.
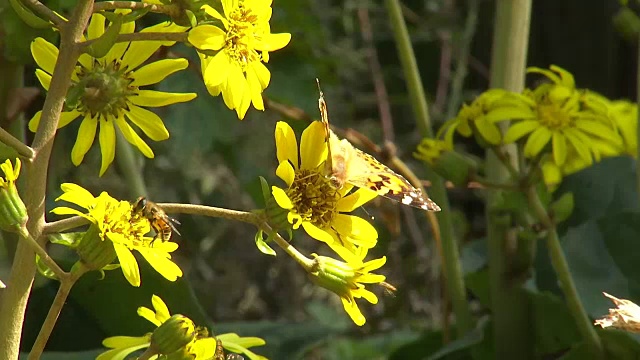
13,212
333,275
94,252
449,164
173,335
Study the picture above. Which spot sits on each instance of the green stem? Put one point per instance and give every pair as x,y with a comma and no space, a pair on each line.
457,83
129,165
44,256
638,127
511,308
14,298
54,311
561,267
9,140
304,261
44,12
451,257
211,211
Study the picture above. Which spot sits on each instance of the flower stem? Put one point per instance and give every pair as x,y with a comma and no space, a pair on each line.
304,261
211,211
22,149
50,321
44,12
135,5
638,127
64,224
567,285
451,257
510,303
14,298
44,256
132,172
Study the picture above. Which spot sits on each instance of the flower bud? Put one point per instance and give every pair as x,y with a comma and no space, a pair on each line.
13,212
94,252
447,163
173,335
333,275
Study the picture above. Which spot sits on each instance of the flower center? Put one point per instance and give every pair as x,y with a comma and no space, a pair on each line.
243,31
554,117
314,197
102,90
117,219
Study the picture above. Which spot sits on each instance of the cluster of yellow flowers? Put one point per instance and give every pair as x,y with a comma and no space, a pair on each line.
563,128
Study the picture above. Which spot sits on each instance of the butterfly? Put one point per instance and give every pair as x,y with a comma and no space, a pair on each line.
348,165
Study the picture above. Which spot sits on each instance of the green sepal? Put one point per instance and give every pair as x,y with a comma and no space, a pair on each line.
28,17
562,208
70,239
101,46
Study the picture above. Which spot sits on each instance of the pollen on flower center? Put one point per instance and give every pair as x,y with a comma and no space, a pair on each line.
102,90
314,197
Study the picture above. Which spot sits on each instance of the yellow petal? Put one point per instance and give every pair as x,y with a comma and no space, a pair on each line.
84,140
44,78
149,314
161,264
154,98
537,141
356,229
35,121
107,138
353,311
274,42
67,117
317,233
119,49
236,85
255,89
128,264
148,122
313,146
157,71
281,198
207,37
286,173
133,138
355,200
45,54
76,194
489,131
262,73
559,144
245,102
218,69
286,144
95,29
520,129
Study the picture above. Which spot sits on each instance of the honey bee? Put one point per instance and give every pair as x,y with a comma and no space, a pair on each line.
161,223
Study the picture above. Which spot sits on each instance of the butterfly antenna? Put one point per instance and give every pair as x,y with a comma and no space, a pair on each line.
368,215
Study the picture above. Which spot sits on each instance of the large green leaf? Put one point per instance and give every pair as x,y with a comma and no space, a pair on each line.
606,187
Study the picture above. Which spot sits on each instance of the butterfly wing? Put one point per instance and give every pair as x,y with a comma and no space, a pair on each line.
367,172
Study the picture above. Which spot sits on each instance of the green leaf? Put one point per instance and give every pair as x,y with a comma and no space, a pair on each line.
597,193
262,245
70,239
28,17
101,46
472,338
620,232
44,270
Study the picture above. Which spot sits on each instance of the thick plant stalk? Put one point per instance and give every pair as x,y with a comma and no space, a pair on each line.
511,310
14,299
451,257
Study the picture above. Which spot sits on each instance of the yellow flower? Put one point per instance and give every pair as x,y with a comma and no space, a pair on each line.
480,117
106,90
236,70
625,115
346,279
311,198
200,346
117,225
567,118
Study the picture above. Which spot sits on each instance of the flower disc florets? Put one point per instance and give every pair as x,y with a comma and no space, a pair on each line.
103,89
314,197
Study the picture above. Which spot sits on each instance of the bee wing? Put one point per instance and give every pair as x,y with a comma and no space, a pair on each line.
172,223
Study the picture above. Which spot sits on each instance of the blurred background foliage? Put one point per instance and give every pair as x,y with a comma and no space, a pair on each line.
214,159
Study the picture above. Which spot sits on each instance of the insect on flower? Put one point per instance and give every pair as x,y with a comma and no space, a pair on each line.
346,164
161,223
